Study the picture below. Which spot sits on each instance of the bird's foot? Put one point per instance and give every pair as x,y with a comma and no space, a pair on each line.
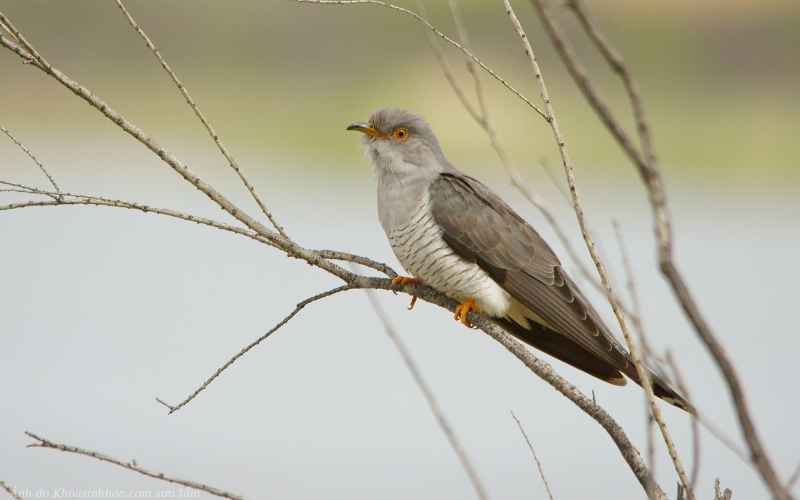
464,309
405,279
402,280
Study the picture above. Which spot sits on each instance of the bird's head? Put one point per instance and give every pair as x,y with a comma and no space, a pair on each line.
401,144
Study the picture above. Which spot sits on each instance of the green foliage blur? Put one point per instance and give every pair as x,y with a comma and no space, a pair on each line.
721,80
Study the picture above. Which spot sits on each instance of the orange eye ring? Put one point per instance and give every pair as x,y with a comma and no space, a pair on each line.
401,134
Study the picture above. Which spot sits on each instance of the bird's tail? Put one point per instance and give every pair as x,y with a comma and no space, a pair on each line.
559,346
660,388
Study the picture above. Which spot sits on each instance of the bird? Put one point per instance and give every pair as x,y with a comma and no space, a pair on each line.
454,234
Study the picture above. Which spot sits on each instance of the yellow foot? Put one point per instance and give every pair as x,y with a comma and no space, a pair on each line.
404,279
463,310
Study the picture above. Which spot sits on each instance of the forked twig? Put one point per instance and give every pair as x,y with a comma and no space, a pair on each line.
297,309
44,443
539,465
27,152
202,118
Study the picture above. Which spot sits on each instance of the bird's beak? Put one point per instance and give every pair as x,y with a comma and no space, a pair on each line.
367,129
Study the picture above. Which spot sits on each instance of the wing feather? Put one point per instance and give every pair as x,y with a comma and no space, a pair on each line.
480,227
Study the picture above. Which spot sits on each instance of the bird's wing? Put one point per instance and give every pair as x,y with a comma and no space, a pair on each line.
481,228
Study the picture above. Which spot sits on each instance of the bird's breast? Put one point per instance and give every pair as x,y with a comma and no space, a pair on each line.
418,244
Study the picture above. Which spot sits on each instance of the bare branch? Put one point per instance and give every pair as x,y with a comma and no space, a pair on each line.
205,122
718,495
451,79
27,152
438,33
651,176
429,398
44,443
695,424
77,199
300,306
357,259
722,438
793,479
10,491
637,324
615,60
541,472
30,53
635,315
644,375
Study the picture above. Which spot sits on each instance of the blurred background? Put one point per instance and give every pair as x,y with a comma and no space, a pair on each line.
103,310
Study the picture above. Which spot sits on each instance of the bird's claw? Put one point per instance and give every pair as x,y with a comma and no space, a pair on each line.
402,280
464,309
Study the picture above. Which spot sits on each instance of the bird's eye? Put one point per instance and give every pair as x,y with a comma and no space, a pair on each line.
401,134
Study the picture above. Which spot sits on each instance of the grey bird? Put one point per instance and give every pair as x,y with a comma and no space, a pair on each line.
454,234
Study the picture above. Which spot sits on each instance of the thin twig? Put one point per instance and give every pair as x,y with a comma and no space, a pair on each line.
300,306
429,398
77,199
722,438
695,425
357,259
644,375
10,491
27,152
552,175
792,480
636,318
437,52
44,443
539,465
650,171
438,33
719,495
202,118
